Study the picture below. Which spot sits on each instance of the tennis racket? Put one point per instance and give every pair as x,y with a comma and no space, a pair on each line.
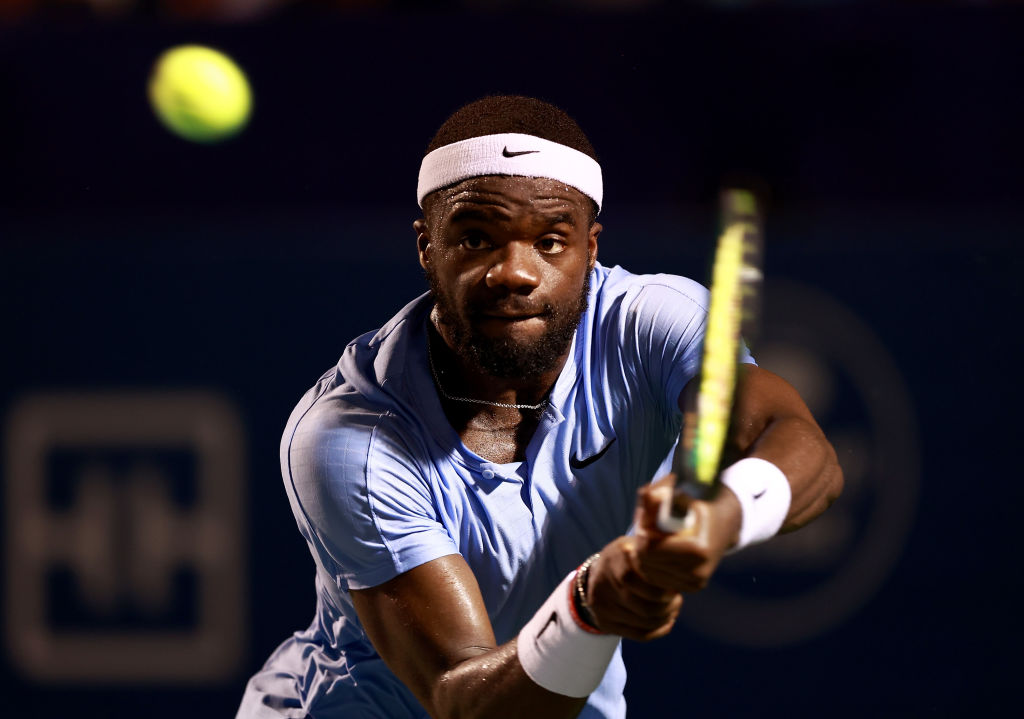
735,289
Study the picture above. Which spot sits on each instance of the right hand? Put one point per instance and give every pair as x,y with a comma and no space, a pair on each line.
635,587
622,600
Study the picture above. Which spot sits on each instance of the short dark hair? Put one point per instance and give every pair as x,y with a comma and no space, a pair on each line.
512,113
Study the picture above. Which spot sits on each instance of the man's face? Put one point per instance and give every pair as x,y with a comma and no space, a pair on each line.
508,260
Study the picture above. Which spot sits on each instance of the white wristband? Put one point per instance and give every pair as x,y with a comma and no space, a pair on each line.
764,495
560,655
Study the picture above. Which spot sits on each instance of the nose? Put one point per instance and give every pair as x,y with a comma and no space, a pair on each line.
515,269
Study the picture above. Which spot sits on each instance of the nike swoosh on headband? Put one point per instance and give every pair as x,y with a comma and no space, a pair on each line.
506,153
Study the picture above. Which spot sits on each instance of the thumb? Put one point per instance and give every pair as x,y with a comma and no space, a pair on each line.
650,499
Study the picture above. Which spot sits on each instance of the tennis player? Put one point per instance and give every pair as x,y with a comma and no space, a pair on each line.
466,477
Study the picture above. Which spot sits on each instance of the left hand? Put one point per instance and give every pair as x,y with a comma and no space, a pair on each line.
684,561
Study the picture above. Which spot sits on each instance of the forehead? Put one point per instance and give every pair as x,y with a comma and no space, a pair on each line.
512,195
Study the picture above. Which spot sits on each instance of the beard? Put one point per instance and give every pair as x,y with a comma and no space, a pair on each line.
504,356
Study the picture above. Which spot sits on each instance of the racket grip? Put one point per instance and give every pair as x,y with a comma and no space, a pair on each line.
673,517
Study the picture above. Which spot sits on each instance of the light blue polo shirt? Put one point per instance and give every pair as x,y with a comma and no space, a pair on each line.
380,483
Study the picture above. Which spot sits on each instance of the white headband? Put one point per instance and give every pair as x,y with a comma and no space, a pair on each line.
510,153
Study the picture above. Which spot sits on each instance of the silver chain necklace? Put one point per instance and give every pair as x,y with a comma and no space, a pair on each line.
440,388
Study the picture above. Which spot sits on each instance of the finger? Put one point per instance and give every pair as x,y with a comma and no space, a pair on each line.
692,541
687,583
630,582
676,564
676,572
653,609
648,505
639,635
640,613
635,582
675,559
642,627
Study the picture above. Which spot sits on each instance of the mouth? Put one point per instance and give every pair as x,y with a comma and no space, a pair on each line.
515,324
509,317
510,311
503,321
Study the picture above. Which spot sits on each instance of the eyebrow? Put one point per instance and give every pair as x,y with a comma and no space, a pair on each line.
474,213
560,217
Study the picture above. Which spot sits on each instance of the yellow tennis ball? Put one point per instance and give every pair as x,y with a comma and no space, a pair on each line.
200,93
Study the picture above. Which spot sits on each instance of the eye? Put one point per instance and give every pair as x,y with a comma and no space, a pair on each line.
475,241
551,245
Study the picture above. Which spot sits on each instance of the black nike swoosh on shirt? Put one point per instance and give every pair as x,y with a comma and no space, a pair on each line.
577,463
760,494
506,153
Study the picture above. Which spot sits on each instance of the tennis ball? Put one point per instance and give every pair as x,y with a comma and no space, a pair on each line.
199,93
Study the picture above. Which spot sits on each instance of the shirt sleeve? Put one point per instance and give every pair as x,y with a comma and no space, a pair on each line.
365,500
664,332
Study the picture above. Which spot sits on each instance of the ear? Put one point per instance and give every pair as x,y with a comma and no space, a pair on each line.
422,240
595,232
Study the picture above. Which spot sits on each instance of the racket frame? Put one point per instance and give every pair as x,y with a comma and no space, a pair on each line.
707,413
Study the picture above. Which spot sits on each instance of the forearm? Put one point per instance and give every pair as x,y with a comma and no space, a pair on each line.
799,448
494,684
773,423
430,626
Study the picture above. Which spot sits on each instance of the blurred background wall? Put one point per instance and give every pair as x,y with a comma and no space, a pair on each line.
165,303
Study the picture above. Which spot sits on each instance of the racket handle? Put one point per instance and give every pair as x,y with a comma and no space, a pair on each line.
673,517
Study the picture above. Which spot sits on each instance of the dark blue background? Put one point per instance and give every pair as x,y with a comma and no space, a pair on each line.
890,139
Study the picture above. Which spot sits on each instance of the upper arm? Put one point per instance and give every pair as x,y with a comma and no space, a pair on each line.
761,398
